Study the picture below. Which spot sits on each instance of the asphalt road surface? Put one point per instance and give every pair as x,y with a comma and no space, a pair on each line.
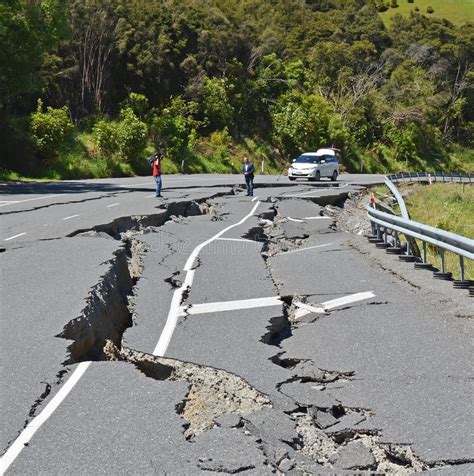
209,331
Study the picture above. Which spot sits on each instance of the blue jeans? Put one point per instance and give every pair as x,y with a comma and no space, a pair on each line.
158,185
249,182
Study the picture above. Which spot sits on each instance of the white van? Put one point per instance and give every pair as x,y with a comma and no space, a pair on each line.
314,165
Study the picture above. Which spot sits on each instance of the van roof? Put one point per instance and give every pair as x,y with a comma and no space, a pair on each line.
321,152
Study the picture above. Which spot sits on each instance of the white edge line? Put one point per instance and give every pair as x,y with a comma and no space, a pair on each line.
236,239
173,314
347,299
25,436
113,205
72,216
305,309
254,199
304,249
16,236
209,307
192,257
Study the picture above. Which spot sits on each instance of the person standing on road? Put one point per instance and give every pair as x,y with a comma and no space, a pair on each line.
155,163
248,171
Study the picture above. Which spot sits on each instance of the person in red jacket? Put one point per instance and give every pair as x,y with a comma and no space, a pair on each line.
155,162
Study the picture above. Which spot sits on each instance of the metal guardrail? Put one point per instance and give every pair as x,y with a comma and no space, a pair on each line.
386,227
432,177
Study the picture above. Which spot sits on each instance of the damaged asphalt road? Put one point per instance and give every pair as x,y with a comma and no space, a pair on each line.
288,348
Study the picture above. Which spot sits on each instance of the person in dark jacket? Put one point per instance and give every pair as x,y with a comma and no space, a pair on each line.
155,163
248,171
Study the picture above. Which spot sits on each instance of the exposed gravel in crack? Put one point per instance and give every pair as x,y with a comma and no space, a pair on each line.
213,392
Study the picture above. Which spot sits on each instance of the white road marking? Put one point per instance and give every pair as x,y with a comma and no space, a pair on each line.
236,239
301,220
208,307
305,309
254,199
149,196
11,202
13,237
72,216
190,262
35,424
316,191
304,249
113,205
177,299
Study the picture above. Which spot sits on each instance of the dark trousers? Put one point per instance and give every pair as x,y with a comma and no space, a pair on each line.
249,182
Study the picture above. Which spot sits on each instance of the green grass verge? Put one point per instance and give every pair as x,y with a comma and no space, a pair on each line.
455,11
449,207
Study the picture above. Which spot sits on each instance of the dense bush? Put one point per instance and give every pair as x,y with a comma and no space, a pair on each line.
125,139
50,128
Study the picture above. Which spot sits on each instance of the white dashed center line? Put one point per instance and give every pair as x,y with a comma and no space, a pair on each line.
72,216
13,237
113,205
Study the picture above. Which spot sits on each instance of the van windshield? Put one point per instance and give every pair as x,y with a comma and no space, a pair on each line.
308,159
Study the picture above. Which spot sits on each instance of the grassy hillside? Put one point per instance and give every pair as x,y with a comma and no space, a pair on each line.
456,11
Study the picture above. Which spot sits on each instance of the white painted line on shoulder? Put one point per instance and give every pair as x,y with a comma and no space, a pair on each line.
304,249
302,220
30,199
178,295
72,216
13,237
236,239
347,300
35,424
150,196
190,262
113,205
254,199
209,307
173,315
304,309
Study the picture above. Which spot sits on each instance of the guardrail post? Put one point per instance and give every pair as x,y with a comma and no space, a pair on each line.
461,265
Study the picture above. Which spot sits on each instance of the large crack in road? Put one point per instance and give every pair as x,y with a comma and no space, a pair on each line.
323,435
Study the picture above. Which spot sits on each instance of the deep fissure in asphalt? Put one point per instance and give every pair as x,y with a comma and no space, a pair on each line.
324,434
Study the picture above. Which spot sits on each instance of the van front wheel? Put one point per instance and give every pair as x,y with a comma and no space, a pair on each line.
334,176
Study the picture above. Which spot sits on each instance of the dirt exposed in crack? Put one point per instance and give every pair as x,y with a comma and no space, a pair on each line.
109,306
212,392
